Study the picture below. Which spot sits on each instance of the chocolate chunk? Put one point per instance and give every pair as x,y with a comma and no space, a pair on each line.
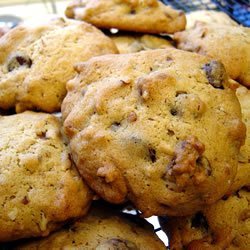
199,221
117,244
25,200
152,154
19,60
170,132
173,111
215,73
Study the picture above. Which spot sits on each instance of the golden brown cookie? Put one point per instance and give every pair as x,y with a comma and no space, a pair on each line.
36,61
223,225
128,43
102,229
229,44
208,17
161,128
148,16
39,187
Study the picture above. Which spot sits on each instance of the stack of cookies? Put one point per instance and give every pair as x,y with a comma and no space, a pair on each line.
154,116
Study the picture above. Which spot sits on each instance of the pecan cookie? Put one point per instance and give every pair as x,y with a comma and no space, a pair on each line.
229,44
103,228
161,128
223,225
148,16
37,61
208,17
128,43
39,187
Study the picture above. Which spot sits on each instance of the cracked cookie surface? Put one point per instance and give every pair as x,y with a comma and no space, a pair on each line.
150,128
147,16
36,61
39,186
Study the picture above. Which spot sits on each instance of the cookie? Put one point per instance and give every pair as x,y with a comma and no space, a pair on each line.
243,173
128,43
39,187
37,61
147,16
224,225
229,44
103,228
161,128
208,17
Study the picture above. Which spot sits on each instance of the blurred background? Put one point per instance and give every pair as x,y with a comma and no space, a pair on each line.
14,11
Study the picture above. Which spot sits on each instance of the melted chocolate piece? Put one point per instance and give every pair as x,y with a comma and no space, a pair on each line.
199,221
215,73
152,154
18,61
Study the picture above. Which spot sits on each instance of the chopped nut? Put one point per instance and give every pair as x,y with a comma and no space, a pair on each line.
13,214
132,117
188,164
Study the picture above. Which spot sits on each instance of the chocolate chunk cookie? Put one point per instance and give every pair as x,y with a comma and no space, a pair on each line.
39,187
148,16
152,127
128,43
36,61
229,44
103,228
